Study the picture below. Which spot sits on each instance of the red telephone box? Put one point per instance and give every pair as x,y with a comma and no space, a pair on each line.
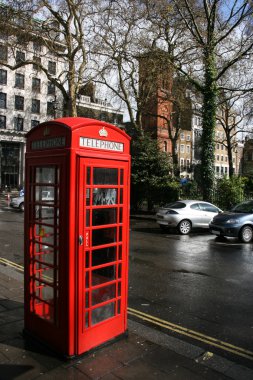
76,233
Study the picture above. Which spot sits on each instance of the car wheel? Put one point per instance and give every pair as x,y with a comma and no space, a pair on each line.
184,227
246,234
22,206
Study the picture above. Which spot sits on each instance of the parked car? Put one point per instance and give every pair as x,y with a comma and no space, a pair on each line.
187,214
236,223
18,202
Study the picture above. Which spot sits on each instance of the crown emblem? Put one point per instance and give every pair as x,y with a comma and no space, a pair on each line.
103,132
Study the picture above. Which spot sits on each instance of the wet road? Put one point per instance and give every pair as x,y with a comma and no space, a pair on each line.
198,281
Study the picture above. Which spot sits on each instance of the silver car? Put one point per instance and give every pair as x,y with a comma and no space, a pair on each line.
18,202
187,214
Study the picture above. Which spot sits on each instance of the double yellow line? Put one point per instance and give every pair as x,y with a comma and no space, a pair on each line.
11,264
169,326
192,334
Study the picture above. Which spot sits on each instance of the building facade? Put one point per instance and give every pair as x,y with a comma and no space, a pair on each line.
173,110
26,99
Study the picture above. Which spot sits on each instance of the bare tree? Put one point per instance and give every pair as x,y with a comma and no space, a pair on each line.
207,39
63,27
233,113
119,31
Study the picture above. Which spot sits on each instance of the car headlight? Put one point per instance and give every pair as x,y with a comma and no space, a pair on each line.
232,221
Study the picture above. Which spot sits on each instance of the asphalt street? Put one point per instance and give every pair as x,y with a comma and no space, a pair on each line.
195,288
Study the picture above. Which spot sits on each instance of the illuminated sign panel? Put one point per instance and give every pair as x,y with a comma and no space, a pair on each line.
55,142
87,142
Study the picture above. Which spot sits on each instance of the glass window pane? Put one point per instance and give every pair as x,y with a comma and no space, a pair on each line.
104,256
45,194
44,254
104,216
43,272
103,294
104,236
45,234
102,313
104,197
45,175
45,214
105,176
87,218
121,176
87,197
43,291
103,275
88,176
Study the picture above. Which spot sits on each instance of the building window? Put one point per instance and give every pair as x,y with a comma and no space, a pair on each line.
38,61
50,88
187,148
182,136
226,158
2,122
51,108
222,147
3,100
188,164
34,123
36,84
181,163
18,123
165,146
218,157
217,169
222,170
222,158
3,76
19,103
19,80
3,53
20,56
35,106
226,170
218,146
52,67
188,138
182,148
36,46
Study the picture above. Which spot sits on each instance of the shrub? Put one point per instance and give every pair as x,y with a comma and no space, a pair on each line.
229,192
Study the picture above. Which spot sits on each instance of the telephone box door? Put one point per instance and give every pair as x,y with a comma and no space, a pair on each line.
102,252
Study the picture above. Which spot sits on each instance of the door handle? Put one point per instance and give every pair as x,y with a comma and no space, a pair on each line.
80,240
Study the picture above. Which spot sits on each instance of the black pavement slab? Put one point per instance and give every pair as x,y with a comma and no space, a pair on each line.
145,354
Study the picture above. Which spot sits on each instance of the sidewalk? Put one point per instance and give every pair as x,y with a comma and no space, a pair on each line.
146,353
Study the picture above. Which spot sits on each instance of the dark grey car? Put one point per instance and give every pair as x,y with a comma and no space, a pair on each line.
236,223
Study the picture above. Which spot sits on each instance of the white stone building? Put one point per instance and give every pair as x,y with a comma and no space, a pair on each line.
26,99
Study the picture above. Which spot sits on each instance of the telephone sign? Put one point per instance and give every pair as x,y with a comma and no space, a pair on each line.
76,234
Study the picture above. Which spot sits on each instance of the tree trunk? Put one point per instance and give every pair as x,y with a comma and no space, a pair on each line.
209,121
174,154
230,157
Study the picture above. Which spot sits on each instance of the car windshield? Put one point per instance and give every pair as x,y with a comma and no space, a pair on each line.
243,207
175,205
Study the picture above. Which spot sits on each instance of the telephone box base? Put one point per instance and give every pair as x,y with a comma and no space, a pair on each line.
40,345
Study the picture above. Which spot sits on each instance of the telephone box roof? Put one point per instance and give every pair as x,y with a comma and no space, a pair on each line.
74,123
